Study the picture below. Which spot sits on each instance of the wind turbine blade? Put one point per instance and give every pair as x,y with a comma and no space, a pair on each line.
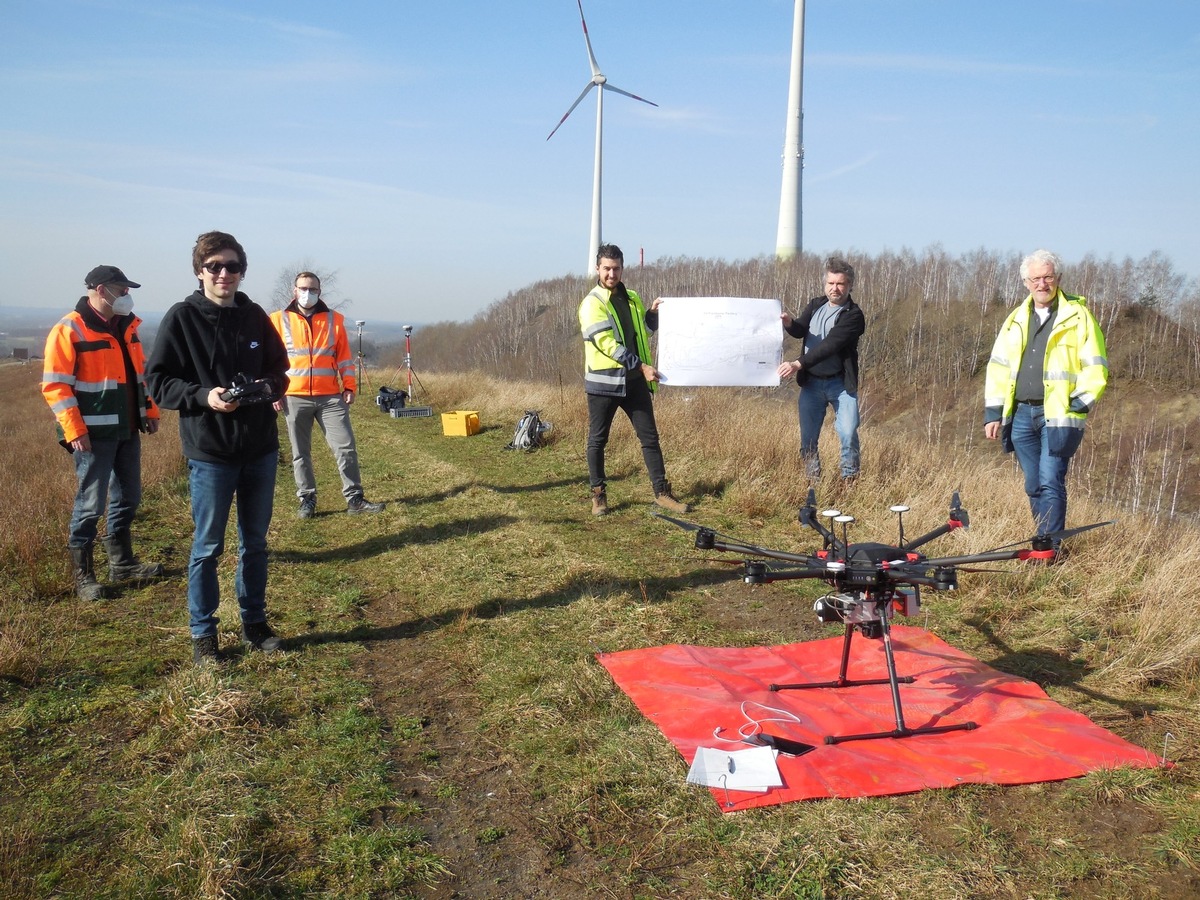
578,100
609,87
587,40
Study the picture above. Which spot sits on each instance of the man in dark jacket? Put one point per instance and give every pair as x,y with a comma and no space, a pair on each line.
827,371
212,341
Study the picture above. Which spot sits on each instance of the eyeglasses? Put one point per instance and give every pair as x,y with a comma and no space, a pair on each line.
214,268
1043,279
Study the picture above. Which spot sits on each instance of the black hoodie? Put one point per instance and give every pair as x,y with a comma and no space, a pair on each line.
201,345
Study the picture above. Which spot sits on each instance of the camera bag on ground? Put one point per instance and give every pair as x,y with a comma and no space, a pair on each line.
530,433
389,399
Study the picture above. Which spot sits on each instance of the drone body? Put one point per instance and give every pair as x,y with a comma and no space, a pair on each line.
871,582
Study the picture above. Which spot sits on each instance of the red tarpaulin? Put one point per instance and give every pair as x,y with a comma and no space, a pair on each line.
1022,736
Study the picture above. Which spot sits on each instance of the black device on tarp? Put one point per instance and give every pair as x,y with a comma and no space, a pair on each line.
784,745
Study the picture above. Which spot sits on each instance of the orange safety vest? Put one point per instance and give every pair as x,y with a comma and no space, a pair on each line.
319,360
84,378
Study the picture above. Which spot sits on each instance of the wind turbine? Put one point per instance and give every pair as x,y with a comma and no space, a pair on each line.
597,81
788,236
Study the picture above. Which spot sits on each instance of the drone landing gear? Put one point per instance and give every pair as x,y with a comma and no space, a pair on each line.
901,730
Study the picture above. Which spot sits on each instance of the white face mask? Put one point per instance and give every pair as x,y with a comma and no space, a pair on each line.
123,305
308,299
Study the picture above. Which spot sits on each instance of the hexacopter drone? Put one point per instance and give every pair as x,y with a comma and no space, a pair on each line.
872,582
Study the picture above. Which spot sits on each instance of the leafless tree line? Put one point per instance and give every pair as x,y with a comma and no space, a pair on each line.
931,316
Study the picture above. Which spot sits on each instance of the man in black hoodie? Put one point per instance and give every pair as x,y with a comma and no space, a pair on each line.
213,340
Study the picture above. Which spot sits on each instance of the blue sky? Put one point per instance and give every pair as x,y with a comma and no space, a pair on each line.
404,145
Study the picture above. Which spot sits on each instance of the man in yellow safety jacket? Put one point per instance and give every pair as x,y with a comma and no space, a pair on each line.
321,387
618,375
94,380
1048,368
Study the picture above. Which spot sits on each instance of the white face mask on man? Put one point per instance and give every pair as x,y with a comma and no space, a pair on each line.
307,299
122,305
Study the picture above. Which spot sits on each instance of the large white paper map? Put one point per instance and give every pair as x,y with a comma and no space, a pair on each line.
719,341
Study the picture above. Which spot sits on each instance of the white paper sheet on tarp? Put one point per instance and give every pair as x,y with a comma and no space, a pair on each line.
739,770
719,341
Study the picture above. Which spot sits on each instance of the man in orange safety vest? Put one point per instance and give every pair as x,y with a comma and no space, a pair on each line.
321,387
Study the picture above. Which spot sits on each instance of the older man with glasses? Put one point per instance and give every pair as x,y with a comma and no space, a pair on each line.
218,360
1048,368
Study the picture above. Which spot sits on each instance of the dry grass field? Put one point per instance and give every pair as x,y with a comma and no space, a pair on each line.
439,728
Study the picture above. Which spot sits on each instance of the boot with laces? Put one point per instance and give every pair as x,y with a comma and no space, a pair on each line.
260,636
667,501
206,651
599,501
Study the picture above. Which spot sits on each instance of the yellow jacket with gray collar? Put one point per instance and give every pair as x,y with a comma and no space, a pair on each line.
1075,372
608,354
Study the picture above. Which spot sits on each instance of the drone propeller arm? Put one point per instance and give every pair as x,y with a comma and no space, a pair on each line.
951,525
926,538
765,575
808,519
968,559
748,549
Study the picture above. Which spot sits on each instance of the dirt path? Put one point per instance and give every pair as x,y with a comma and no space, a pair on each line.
476,815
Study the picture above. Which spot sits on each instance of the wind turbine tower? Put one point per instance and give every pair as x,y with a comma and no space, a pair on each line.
597,81
787,238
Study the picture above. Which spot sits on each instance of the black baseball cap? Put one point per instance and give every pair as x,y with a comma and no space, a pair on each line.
108,275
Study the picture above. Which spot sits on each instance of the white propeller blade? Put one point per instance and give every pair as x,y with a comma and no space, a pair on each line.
578,100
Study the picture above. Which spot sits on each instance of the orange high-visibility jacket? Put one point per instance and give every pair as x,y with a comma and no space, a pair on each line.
319,359
84,377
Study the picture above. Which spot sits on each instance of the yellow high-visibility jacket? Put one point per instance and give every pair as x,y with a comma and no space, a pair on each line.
607,353
1075,373
319,360
84,378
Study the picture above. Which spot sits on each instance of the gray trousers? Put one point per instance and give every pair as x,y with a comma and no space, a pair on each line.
333,417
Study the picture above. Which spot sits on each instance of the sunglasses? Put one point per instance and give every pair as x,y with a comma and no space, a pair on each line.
214,268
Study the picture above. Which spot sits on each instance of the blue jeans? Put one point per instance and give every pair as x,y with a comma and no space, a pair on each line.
815,396
1045,475
213,487
111,474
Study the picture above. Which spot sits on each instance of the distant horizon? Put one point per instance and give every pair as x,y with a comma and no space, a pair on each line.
44,316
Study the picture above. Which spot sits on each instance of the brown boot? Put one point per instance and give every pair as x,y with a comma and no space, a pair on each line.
666,500
599,501
83,562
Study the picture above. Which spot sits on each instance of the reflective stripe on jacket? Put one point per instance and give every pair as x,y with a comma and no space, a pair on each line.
1075,371
319,359
607,353
84,378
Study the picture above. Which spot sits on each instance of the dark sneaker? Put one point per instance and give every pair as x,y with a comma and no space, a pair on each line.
599,502
259,636
205,651
308,507
361,505
667,501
